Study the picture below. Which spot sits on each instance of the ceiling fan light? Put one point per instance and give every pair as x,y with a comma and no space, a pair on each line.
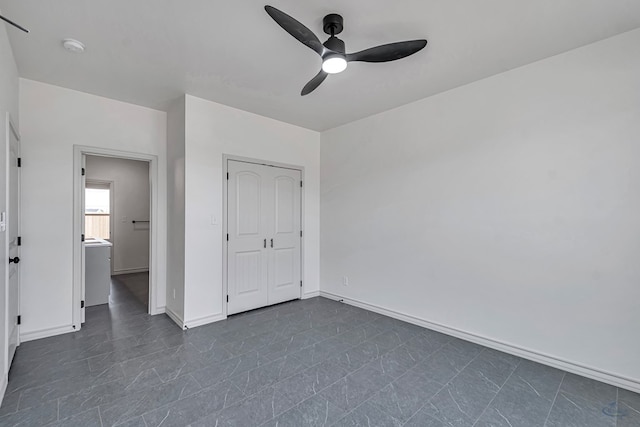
334,64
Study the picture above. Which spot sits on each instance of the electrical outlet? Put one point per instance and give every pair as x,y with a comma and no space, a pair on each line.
345,281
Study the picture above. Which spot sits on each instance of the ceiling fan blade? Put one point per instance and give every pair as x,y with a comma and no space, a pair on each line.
296,29
388,52
14,24
314,83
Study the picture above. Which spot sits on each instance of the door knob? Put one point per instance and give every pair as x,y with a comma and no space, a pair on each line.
16,260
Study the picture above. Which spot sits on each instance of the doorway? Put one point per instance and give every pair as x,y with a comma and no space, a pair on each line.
115,208
264,235
117,211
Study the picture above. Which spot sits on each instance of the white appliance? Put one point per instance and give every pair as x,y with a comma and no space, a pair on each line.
97,272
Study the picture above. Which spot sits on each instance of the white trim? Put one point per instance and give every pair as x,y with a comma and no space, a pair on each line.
130,271
45,333
225,171
545,359
308,295
3,386
174,316
204,320
78,152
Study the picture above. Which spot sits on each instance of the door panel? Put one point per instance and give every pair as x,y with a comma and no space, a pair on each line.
284,204
285,273
248,189
264,224
284,260
13,225
83,186
247,255
248,272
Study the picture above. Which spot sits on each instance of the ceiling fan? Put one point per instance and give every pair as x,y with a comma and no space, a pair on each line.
333,52
7,20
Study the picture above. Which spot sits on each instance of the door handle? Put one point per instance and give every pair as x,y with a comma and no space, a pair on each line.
271,242
16,260
265,243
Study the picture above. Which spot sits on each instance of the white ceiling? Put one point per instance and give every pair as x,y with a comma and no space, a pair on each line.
149,52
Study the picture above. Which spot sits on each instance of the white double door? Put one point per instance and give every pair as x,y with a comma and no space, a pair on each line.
264,235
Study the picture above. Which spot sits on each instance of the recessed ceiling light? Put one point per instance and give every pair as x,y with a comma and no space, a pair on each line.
73,45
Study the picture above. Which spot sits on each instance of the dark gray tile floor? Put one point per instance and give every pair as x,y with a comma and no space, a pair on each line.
315,362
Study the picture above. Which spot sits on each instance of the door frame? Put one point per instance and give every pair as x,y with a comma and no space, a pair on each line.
78,210
225,211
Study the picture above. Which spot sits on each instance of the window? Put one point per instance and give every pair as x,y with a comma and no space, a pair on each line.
97,211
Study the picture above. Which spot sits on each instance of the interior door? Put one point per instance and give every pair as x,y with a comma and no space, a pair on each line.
284,230
83,185
264,235
247,237
13,228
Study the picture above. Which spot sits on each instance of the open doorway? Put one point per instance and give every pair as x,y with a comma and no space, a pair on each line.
115,238
117,213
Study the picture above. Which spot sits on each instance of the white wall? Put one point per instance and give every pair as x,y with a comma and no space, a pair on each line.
507,208
175,210
131,196
8,103
53,120
213,130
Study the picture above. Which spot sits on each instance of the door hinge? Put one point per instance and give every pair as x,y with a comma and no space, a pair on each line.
19,241
82,237
300,184
19,320
82,304
300,233
83,171
300,283
227,298
227,176
227,237
19,162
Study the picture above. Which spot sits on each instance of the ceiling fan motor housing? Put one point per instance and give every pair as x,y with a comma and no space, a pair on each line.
332,24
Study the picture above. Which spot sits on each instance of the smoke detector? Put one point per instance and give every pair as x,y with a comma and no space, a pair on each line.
73,45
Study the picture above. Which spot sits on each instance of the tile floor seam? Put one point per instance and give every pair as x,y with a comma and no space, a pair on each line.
419,409
392,382
500,389
100,416
246,397
324,388
546,420
446,384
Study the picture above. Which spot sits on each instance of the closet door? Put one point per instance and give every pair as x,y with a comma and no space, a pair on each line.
285,229
264,226
247,224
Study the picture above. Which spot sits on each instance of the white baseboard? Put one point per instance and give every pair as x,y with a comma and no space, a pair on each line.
158,310
130,271
3,386
307,295
193,323
173,316
545,359
45,333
